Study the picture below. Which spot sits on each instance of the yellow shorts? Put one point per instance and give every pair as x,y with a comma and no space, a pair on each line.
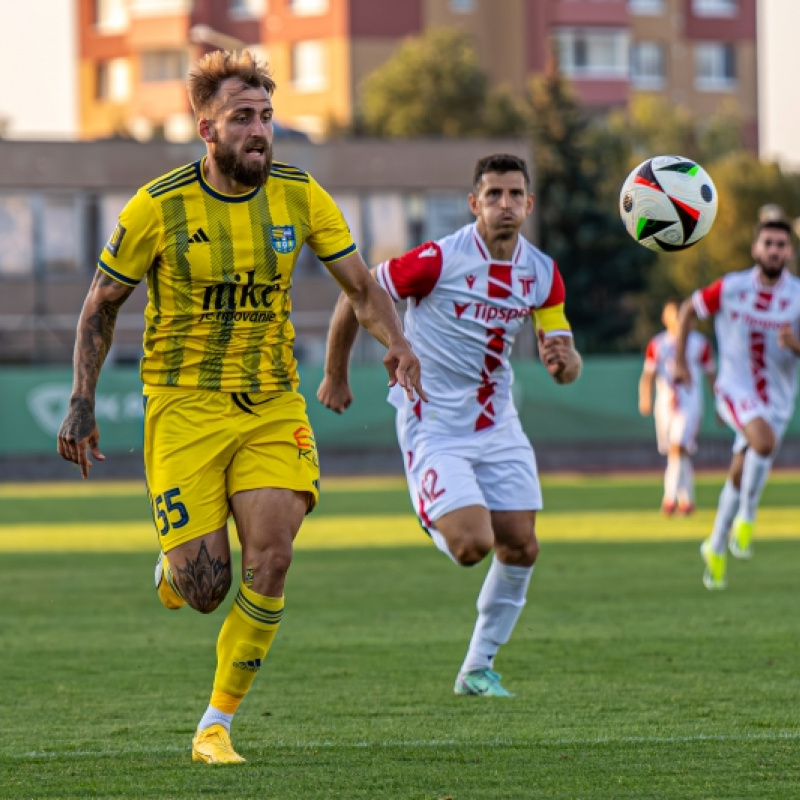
200,448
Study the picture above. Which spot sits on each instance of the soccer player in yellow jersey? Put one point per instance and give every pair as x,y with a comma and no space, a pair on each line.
225,429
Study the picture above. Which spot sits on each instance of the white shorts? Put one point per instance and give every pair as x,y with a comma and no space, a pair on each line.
495,468
738,406
677,426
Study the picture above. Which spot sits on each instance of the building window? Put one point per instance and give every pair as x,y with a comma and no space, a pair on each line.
160,8
646,8
463,6
113,80
111,16
246,9
312,125
62,225
715,8
16,235
163,65
309,72
308,8
600,53
714,67
647,65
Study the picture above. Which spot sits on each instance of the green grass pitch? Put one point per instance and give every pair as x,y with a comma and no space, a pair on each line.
633,681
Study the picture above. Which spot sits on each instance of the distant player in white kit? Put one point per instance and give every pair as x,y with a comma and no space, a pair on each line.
757,320
678,410
471,470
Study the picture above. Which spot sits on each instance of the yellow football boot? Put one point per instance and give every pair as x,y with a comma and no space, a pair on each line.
714,576
165,585
741,538
213,745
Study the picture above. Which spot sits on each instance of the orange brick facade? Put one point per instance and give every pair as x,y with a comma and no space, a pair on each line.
131,74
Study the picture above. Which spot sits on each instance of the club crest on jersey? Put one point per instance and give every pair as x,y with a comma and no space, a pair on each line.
283,238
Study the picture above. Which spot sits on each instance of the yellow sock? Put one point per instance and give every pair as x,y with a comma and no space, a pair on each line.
243,643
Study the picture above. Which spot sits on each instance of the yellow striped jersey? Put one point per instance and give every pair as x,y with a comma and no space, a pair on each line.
219,269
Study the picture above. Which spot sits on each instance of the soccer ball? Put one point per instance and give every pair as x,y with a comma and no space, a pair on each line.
668,203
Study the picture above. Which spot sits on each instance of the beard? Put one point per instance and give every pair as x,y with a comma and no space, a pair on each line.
246,173
771,269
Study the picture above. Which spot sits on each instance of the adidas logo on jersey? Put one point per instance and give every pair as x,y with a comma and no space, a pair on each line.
199,237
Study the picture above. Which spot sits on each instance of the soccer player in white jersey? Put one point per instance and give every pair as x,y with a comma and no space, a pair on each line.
471,470
678,410
757,320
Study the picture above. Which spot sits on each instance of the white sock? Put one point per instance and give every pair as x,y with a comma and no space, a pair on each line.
214,716
441,544
500,603
671,476
686,481
754,479
727,507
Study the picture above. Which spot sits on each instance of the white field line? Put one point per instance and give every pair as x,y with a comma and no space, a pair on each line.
773,736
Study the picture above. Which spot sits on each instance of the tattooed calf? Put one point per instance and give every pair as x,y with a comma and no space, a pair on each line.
204,581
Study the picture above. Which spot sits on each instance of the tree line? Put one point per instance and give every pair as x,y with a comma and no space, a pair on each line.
435,86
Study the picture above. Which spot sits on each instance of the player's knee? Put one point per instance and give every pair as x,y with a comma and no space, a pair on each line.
205,599
268,566
529,552
279,561
764,444
521,553
469,552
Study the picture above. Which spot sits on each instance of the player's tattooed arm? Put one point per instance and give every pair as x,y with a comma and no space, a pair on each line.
94,336
96,331
204,581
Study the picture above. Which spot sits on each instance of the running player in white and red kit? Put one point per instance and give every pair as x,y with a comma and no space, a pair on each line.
471,470
678,410
757,320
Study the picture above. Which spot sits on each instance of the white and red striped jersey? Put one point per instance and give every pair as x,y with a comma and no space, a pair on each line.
748,318
464,310
660,360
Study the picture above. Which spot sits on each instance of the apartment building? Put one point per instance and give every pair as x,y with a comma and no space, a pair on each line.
134,53
59,202
699,54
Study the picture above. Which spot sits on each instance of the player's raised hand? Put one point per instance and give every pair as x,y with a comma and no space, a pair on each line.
787,338
79,436
403,367
335,394
555,352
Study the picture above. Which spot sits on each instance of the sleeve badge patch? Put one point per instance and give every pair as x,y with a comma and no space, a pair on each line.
116,240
